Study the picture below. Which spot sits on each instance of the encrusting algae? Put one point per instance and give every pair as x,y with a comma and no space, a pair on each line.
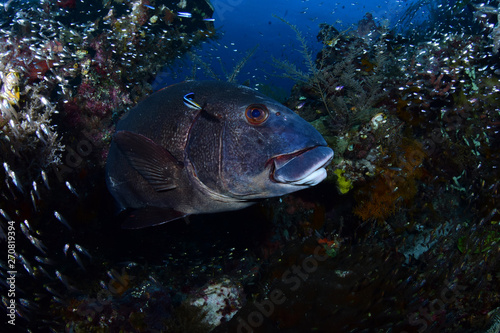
344,185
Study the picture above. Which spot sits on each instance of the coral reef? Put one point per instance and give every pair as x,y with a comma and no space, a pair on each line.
68,70
403,236
420,156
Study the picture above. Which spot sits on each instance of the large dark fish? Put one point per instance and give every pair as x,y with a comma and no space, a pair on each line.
203,147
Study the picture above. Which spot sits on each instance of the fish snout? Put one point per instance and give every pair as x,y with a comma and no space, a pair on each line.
305,167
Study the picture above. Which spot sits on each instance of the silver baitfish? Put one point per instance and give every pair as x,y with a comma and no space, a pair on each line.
82,250
65,281
61,219
203,147
184,14
78,260
27,266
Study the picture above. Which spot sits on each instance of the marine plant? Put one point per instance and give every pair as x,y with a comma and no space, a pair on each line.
291,71
347,75
354,82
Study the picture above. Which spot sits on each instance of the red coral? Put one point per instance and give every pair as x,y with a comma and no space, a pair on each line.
37,69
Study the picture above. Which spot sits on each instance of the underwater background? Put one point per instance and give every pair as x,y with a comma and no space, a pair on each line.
403,235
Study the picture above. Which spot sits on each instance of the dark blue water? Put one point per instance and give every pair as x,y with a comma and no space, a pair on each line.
245,24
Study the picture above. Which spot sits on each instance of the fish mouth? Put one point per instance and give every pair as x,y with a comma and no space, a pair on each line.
305,167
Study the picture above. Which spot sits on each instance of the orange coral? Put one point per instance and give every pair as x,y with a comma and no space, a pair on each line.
395,184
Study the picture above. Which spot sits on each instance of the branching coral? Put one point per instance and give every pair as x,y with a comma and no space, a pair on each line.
312,77
228,76
354,83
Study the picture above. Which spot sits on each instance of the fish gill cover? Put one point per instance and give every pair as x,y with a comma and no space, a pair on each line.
402,237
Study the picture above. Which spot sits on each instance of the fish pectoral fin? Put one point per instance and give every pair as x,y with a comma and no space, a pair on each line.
151,160
151,216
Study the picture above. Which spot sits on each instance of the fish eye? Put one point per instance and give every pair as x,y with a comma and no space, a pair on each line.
256,114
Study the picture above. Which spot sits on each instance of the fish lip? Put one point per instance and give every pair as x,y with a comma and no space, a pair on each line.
311,175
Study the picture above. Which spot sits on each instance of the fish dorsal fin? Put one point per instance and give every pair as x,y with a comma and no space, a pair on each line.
151,216
152,161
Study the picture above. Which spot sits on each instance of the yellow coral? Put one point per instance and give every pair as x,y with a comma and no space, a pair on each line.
343,184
